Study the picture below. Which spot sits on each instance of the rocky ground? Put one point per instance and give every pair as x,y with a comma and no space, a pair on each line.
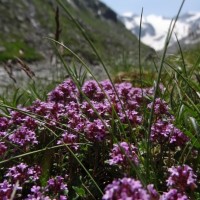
43,72
25,24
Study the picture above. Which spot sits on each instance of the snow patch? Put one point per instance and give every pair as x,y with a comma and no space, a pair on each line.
184,27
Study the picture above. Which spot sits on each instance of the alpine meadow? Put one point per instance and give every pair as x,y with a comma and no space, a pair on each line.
88,111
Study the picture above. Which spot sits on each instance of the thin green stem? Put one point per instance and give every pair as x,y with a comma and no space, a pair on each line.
140,66
170,31
82,30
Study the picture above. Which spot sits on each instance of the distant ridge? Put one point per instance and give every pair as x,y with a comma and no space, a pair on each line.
154,28
25,23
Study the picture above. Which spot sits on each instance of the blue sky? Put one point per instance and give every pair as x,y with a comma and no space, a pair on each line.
167,8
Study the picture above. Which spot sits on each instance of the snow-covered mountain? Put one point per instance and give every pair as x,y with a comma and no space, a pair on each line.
155,28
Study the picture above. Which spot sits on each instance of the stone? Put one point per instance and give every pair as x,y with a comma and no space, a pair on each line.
2,49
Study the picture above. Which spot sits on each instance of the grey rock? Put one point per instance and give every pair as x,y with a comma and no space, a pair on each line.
2,49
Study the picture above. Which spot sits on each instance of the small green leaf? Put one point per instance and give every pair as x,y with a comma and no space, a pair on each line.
79,191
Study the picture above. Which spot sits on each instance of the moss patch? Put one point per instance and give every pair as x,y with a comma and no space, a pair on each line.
18,48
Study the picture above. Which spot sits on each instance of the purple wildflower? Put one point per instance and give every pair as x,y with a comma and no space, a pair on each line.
178,137
34,172
72,107
152,192
163,132
182,178
37,194
133,117
5,190
51,111
137,95
106,85
173,194
62,197
102,108
23,136
75,119
132,104
3,133
3,124
95,131
90,88
23,173
160,107
30,123
123,153
64,93
126,188
150,91
17,118
123,89
56,185
93,91
69,138
3,148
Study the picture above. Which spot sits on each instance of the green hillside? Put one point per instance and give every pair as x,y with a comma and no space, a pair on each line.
26,23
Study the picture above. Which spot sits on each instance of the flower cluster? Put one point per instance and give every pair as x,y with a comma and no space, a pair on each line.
74,117
23,136
49,111
37,193
16,177
3,148
65,108
164,132
3,123
66,117
23,173
95,131
64,93
55,189
93,91
70,139
173,194
123,153
125,188
182,178
154,195
160,107
132,116
56,185
5,190
22,131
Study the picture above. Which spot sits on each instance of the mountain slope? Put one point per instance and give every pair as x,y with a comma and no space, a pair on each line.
154,28
25,23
